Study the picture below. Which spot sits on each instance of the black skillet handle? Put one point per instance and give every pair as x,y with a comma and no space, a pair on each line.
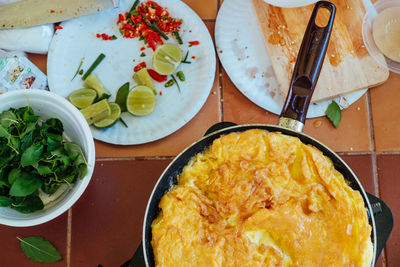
383,222
137,260
307,69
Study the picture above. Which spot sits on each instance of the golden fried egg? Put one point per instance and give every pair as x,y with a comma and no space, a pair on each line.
261,198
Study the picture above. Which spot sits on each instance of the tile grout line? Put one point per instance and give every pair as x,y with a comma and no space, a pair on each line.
69,235
374,162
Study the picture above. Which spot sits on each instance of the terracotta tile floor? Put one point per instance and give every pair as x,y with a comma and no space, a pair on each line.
104,226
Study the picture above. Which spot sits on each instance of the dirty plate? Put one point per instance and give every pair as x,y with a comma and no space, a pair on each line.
78,39
240,47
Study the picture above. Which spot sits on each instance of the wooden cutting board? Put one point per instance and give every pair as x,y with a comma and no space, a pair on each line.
347,67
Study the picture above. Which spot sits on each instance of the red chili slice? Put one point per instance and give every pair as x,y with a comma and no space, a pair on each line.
156,76
194,42
139,66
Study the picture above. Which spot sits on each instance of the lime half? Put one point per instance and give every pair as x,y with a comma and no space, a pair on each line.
142,77
141,101
97,111
110,119
82,98
92,81
167,58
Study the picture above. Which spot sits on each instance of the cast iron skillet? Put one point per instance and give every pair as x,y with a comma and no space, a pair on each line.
305,76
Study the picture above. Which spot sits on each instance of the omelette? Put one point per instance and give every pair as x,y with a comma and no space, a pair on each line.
259,198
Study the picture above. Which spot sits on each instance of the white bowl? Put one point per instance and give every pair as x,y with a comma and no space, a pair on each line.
49,105
290,3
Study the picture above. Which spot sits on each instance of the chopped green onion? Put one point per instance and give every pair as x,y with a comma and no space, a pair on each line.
114,37
93,66
179,88
159,31
186,62
81,72
178,37
142,54
186,56
123,122
134,6
79,68
121,32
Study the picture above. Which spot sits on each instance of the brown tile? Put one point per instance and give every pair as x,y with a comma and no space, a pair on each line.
206,9
389,184
54,231
362,166
176,142
107,220
353,133
384,101
40,61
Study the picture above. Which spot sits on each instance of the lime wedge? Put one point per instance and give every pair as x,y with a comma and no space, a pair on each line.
141,101
92,81
96,111
110,119
122,94
82,98
142,77
167,58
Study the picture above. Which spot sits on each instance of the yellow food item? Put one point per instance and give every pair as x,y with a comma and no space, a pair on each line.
261,199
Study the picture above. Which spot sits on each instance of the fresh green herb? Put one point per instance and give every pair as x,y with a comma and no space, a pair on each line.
123,122
334,113
33,157
39,250
164,17
114,37
178,37
159,31
93,66
79,68
122,32
181,76
122,94
134,6
169,83
81,72
142,54
176,82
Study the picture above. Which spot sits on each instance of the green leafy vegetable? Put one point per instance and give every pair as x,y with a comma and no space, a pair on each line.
334,113
78,70
39,250
34,156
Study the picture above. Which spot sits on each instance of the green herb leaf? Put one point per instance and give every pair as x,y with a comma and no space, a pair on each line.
122,94
27,204
5,201
39,250
31,155
334,113
13,175
25,185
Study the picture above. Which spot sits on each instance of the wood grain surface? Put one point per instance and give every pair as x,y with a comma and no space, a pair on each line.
347,67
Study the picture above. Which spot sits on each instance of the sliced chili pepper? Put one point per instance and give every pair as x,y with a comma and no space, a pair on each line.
139,66
59,27
194,43
156,76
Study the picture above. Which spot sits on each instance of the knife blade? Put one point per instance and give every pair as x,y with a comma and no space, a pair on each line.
28,13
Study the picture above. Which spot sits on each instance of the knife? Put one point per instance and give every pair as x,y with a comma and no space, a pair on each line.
28,13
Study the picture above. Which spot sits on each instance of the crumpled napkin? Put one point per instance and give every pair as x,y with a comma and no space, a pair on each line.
31,39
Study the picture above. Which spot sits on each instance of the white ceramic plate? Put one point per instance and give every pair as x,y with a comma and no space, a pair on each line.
240,47
173,109
290,3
